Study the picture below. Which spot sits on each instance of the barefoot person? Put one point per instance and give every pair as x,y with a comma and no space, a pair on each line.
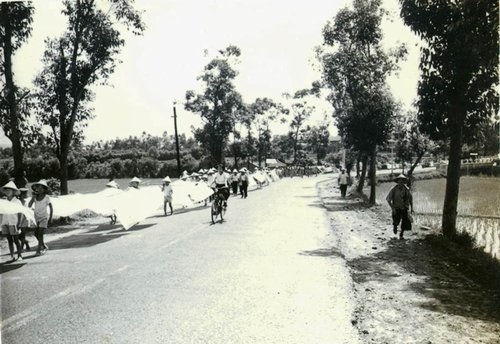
167,195
42,216
400,200
10,222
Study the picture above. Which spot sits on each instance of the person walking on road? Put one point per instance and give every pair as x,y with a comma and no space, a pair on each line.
244,183
167,195
10,222
235,181
343,182
400,200
42,216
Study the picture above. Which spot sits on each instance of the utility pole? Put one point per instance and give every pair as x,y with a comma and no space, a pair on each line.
177,144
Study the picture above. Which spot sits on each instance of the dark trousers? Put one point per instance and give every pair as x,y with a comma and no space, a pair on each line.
234,185
244,189
401,215
343,189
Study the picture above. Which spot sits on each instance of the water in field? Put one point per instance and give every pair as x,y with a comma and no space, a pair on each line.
478,203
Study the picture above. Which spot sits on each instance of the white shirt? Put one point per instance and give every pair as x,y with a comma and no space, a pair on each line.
41,208
343,179
220,179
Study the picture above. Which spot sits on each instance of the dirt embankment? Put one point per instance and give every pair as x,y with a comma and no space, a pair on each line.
418,290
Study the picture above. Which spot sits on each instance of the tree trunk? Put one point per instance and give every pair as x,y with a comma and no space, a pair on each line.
361,183
14,135
63,161
373,176
449,219
412,168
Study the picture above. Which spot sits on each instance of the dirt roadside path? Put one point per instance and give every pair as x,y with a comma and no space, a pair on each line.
410,291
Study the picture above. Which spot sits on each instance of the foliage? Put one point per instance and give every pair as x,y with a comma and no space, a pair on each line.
459,77
219,103
355,69
411,143
15,28
83,56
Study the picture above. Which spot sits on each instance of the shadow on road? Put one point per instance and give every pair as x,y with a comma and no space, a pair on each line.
82,240
6,267
323,252
447,288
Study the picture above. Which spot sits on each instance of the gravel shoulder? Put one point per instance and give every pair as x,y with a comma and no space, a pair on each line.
413,291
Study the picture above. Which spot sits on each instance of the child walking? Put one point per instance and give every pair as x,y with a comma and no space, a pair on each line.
24,227
42,217
10,222
167,193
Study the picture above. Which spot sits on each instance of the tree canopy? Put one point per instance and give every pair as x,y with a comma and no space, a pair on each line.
85,55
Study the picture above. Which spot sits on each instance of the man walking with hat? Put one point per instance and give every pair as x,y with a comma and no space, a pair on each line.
400,200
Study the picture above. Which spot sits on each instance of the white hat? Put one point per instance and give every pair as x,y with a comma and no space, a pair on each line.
204,176
42,182
135,180
184,177
167,179
12,186
401,176
235,171
185,172
194,174
113,184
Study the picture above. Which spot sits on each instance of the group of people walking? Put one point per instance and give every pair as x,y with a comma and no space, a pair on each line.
15,226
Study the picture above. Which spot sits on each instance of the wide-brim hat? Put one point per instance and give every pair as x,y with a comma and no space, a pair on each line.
112,184
243,169
167,179
11,186
135,180
235,171
401,176
204,176
194,174
42,182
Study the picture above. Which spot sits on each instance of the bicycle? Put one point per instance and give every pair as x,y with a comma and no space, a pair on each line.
217,208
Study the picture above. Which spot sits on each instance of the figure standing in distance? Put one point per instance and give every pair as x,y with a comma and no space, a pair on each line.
343,181
167,195
400,200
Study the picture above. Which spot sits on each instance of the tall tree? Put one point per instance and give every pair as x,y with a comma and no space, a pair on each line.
301,112
411,143
260,113
15,29
219,103
355,69
85,55
317,140
459,77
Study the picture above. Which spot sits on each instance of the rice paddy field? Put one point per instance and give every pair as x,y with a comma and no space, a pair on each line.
478,207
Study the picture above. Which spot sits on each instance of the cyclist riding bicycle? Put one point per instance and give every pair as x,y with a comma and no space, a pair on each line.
220,184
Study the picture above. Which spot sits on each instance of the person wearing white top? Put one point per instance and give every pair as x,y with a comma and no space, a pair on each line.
10,222
343,182
220,183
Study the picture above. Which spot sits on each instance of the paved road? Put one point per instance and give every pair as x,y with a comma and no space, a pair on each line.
266,275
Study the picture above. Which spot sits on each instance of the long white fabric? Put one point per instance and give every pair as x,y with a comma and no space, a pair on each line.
10,208
132,206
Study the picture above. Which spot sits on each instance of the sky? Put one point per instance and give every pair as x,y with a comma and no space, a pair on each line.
277,39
